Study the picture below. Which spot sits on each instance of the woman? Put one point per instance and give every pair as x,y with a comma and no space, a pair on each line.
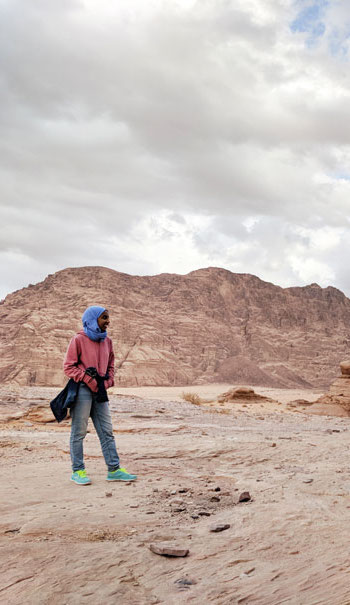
90,361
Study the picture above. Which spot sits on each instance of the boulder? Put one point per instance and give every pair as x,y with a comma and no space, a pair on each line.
345,368
337,401
241,395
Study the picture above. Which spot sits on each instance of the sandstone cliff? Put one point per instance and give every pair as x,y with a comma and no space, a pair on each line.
209,325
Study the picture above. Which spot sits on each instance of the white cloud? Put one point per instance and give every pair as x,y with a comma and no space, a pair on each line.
165,136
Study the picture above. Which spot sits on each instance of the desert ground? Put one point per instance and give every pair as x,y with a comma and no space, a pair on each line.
287,542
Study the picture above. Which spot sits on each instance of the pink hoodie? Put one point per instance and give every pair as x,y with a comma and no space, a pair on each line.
83,353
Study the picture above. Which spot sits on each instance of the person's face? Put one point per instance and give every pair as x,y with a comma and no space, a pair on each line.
103,321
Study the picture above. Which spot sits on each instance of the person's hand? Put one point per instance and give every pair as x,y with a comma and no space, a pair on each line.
91,372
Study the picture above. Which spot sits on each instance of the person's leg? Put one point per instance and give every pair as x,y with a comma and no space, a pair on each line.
80,413
101,417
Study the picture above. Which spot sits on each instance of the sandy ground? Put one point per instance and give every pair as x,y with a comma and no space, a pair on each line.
211,391
64,544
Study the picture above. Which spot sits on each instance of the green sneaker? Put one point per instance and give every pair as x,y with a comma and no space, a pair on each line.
80,477
121,474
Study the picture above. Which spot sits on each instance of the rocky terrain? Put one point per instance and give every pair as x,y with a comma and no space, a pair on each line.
208,326
285,541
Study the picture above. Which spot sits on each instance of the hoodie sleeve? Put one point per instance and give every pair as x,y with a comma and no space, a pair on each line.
110,368
73,369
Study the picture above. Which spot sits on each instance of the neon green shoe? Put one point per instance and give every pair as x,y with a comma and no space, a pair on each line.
121,474
80,477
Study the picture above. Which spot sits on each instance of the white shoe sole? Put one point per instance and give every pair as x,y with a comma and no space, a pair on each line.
76,482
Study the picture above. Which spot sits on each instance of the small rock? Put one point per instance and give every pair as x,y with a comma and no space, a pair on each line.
183,490
108,494
179,509
175,501
217,489
194,516
134,505
273,444
307,480
185,582
244,497
173,492
155,489
168,550
219,527
204,513
215,499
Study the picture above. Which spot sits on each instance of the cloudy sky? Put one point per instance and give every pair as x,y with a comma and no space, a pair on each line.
168,135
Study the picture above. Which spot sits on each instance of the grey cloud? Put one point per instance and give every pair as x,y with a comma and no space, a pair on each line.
216,111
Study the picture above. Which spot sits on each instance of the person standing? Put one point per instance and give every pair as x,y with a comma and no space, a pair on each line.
90,362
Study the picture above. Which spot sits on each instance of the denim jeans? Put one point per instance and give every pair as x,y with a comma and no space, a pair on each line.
84,407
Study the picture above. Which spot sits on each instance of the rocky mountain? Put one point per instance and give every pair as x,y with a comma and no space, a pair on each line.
208,326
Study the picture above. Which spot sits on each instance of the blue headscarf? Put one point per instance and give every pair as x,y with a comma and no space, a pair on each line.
90,325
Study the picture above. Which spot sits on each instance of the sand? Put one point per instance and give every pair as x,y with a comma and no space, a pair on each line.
65,544
211,392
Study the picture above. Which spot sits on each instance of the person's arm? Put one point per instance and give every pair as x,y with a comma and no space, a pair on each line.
73,369
110,369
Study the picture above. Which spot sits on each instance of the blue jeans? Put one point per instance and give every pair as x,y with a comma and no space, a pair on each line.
84,407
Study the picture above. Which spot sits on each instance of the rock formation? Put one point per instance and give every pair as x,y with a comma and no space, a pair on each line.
338,395
242,395
208,326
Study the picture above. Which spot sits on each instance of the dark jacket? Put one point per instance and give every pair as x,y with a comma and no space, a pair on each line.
64,400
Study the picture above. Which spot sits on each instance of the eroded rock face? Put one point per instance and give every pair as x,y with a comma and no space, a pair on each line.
337,401
208,326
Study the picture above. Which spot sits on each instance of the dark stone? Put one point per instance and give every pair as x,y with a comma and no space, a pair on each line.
219,527
244,497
